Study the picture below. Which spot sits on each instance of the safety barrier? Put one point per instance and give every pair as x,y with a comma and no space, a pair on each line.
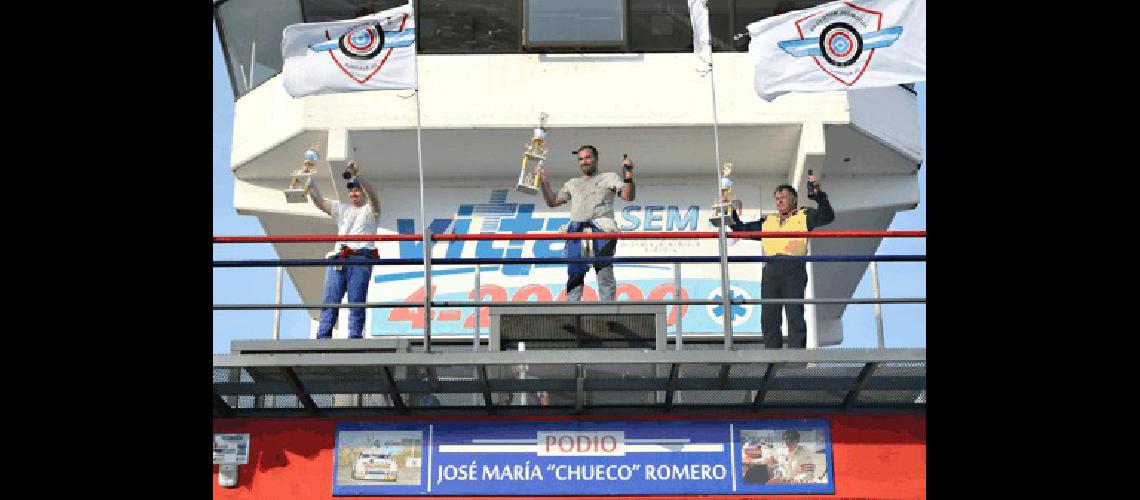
428,262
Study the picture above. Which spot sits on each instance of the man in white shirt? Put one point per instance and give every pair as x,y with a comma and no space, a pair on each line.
790,466
359,216
591,200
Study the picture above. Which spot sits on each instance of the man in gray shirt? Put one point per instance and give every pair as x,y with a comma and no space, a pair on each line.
591,209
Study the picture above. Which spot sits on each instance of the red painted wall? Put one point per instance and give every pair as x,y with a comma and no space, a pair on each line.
876,456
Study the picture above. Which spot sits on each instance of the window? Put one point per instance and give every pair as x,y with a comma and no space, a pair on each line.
468,26
251,32
660,26
581,23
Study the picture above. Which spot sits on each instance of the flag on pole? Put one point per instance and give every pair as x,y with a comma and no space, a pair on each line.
702,41
373,52
839,46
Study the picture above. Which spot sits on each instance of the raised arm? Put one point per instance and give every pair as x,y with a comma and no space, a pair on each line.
373,200
822,216
629,190
825,214
552,200
320,202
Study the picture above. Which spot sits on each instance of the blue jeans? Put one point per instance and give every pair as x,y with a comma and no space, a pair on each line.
607,284
576,273
354,280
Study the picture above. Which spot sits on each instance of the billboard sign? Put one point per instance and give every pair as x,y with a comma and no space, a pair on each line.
584,458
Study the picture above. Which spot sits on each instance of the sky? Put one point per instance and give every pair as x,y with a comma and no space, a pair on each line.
904,325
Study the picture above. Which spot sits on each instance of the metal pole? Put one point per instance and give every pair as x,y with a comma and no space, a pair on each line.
252,60
725,289
427,289
522,376
878,307
277,312
478,310
677,308
423,214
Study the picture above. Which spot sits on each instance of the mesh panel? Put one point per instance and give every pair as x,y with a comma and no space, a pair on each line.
404,373
240,400
905,397
337,400
461,399
236,375
423,399
526,398
701,370
566,331
532,371
309,374
622,371
563,398
375,401
713,397
622,398
280,401
456,372
750,370
263,374
807,398
837,370
901,370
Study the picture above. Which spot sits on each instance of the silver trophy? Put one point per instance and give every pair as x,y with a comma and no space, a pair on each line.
725,204
301,180
533,155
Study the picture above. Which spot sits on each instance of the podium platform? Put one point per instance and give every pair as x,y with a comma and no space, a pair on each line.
614,327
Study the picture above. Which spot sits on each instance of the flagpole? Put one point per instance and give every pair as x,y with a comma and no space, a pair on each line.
726,291
423,217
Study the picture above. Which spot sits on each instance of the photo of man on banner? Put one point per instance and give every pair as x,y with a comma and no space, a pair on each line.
782,456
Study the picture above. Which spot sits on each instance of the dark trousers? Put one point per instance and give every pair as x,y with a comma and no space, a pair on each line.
607,284
783,280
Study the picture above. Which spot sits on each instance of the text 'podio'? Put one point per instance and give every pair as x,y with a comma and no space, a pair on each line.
610,443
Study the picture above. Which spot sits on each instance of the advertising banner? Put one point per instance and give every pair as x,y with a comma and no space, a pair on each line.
231,448
584,458
501,211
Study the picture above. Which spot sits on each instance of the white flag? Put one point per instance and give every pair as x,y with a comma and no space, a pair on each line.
839,46
702,41
373,52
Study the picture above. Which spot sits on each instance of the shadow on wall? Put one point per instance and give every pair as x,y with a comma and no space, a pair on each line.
272,443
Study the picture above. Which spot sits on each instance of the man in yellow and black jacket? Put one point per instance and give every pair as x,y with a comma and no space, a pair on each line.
786,279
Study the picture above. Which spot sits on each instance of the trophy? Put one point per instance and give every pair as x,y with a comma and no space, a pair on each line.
301,180
535,151
725,203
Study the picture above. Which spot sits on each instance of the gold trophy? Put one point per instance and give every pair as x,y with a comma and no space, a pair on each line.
535,151
301,180
725,203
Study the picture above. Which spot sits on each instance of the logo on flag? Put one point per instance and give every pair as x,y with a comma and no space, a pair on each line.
364,43
831,47
375,52
367,40
845,37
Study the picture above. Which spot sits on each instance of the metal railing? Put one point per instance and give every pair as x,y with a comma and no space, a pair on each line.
428,262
